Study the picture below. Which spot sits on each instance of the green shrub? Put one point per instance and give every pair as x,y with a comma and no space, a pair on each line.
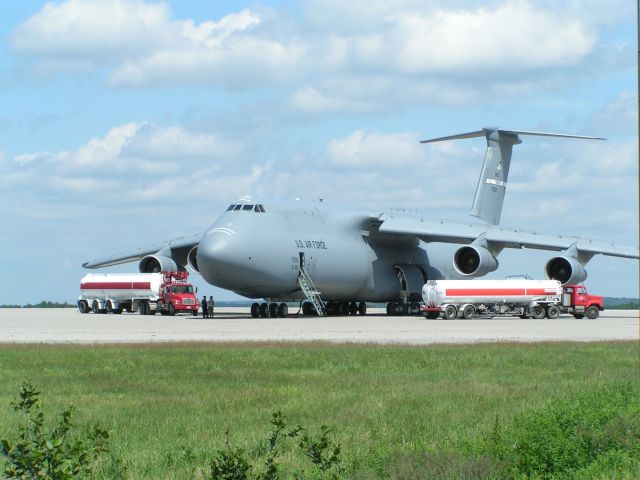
50,453
232,464
563,437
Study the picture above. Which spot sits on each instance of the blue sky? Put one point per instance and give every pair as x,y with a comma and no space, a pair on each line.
125,123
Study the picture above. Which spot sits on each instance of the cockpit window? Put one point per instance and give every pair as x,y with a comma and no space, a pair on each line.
247,207
237,207
256,209
230,207
261,208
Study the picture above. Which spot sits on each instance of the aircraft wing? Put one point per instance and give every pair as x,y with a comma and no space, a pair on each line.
181,243
430,230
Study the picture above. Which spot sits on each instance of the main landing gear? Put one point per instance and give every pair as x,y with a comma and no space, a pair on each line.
273,310
340,309
399,308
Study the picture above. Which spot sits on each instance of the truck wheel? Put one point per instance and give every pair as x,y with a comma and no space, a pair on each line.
83,306
283,310
95,307
171,310
468,312
255,310
538,312
578,315
592,312
143,308
450,312
553,312
432,315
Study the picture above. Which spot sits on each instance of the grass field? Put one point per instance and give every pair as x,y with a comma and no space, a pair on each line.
168,406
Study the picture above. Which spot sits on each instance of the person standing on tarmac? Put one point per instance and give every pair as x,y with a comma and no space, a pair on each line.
205,310
210,305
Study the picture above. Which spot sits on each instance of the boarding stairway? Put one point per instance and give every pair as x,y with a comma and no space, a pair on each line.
309,290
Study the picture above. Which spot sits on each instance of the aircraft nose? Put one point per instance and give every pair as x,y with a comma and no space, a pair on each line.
215,255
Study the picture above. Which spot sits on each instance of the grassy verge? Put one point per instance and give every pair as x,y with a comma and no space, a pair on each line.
168,406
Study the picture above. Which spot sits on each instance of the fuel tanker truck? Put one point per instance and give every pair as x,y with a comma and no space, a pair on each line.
524,298
147,293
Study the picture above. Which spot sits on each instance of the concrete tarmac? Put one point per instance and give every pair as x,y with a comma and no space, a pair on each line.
234,324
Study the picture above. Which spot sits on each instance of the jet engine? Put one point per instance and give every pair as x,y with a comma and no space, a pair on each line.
158,263
474,260
192,259
567,270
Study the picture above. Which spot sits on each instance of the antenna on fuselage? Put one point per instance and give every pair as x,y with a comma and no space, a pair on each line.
492,184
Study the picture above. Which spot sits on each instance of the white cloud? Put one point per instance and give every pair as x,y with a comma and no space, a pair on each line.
490,39
94,30
350,57
145,162
310,100
176,142
375,150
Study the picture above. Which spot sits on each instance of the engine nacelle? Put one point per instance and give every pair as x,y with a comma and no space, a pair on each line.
473,260
567,270
192,259
158,263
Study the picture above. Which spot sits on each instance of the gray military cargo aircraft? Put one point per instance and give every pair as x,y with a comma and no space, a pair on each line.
338,260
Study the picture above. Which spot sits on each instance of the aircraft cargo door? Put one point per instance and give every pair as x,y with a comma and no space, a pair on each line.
412,278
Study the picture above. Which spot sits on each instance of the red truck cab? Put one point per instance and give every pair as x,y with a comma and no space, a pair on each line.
577,301
176,295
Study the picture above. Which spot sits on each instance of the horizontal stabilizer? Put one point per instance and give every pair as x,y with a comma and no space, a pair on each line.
485,132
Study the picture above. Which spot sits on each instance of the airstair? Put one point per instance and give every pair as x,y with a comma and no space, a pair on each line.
310,291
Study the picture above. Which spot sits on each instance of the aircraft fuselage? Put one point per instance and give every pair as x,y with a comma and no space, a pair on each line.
258,254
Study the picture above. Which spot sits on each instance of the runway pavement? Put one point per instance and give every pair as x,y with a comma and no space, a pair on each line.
235,324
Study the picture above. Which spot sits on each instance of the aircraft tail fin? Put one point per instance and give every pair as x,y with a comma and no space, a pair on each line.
492,184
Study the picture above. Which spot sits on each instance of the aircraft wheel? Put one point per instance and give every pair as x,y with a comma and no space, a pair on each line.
283,310
306,308
362,308
330,308
538,312
255,310
415,308
450,312
353,308
264,310
83,306
171,310
391,308
273,310
592,312
468,312
343,308
553,312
